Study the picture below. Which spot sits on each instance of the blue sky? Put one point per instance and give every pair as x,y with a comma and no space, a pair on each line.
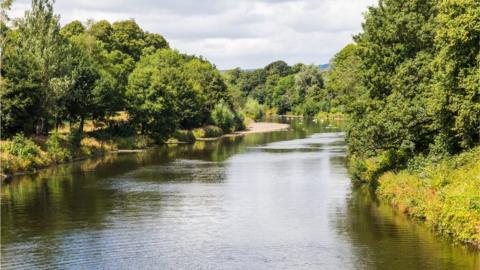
233,33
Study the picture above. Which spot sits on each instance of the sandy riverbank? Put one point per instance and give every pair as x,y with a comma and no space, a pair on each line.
261,127
254,127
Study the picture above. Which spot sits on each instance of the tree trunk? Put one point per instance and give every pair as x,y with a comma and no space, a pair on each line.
40,127
57,123
82,122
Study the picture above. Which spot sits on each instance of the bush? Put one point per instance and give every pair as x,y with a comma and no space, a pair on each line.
368,170
74,139
239,121
90,146
184,136
223,117
253,109
56,149
133,142
21,154
115,129
446,196
23,147
208,132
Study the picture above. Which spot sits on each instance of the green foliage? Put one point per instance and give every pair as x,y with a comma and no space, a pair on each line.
74,28
21,154
411,88
445,196
128,38
74,138
208,132
457,73
253,109
342,79
184,136
23,147
33,55
56,149
283,94
284,89
133,142
151,101
223,117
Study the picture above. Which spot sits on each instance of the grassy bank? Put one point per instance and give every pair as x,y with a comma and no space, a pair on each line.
22,154
444,195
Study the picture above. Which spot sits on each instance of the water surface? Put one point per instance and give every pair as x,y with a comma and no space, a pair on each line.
280,200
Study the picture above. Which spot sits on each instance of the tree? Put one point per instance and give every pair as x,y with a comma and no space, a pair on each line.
102,31
74,28
34,56
310,96
343,78
208,84
283,93
128,38
80,99
389,109
279,68
457,74
151,101
155,41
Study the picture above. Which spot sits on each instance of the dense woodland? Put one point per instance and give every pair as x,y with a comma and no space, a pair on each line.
409,87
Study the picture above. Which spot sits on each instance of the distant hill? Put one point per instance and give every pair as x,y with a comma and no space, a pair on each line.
324,67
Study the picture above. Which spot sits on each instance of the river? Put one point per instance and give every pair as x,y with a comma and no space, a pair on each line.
280,200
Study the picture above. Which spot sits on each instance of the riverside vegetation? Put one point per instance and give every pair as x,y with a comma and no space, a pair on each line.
409,87
83,89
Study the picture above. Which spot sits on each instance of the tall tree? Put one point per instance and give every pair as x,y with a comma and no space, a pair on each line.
457,74
128,38
32,59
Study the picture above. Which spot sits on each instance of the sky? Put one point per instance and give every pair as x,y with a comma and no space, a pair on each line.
233,33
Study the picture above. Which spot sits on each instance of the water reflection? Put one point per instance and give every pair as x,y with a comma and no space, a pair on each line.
268,201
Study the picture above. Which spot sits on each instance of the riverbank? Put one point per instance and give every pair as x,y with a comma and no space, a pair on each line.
252,128
443,195
23,155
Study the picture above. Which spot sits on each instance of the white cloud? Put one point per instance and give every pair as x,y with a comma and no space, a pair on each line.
233,33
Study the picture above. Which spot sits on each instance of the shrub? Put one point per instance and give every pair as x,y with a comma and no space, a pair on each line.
90,146
253,109
208,132
23,147
446,196
56,149
133,142
184,136
239,121
368,170
21,154
223,117
115,129
271,111
74,139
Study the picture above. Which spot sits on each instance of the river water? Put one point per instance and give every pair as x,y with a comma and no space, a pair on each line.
281,200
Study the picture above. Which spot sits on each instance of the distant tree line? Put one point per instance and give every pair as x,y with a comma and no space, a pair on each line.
297,89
